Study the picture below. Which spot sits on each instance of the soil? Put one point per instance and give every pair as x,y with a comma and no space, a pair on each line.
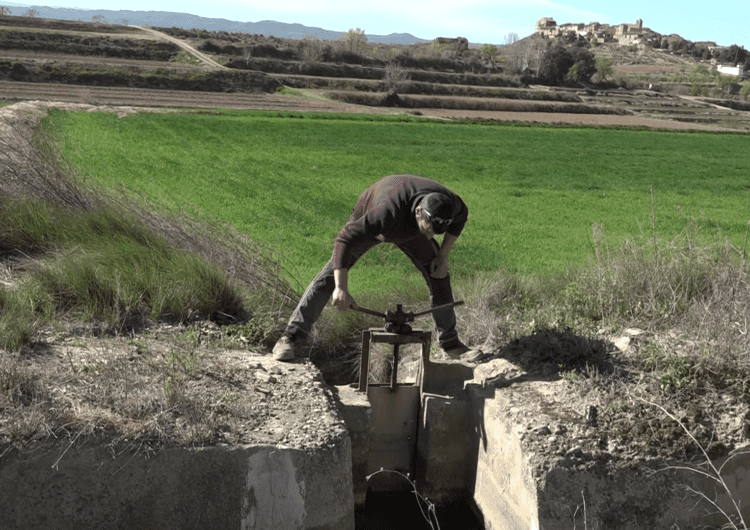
96,98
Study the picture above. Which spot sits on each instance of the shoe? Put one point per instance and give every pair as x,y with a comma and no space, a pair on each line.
284,349
463,353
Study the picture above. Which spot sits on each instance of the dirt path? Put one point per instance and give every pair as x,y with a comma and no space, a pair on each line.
185,46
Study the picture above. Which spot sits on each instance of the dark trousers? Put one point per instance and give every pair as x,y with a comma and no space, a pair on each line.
421,251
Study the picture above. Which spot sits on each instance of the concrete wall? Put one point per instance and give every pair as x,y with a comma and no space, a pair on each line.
516,488
356,411
504,489
446,449
242,488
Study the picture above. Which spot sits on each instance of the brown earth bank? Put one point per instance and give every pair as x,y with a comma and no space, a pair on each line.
13,91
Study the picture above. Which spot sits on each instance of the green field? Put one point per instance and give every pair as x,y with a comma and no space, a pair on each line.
534,193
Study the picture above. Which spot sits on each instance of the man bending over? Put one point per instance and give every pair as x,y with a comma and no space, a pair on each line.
405,210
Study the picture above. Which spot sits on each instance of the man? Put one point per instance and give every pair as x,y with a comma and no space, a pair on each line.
405,210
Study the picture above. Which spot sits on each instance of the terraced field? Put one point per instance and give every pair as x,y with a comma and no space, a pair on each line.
102,64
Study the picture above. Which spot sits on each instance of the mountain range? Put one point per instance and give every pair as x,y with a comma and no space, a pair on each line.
170,19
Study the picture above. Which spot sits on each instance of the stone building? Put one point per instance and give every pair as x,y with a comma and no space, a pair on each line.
629,33
625,34
547,27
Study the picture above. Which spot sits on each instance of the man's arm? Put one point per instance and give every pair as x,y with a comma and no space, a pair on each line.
439,268
448,241
342,300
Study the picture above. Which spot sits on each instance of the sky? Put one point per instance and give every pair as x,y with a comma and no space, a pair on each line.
724,22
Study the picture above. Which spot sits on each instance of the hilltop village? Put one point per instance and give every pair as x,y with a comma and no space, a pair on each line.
637,35
624,34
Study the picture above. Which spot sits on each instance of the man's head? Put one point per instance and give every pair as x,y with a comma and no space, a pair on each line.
435,211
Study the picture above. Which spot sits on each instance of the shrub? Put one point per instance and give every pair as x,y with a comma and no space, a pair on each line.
394,77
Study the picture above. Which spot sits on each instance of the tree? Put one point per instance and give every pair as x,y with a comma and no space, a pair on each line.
356,39
490,50
4,11
98,18
604,67
734,55
585,65
511,38
31,13
394,77
555,64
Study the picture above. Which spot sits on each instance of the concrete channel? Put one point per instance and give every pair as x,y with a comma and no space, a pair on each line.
457,432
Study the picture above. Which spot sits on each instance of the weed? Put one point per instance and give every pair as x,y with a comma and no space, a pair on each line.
733,515
184,57
286,91
426,507
140,345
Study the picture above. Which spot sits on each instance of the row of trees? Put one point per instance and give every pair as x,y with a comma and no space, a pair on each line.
5,12
733,54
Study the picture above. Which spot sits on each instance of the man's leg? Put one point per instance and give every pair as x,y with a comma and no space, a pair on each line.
421,252
311,304
310,307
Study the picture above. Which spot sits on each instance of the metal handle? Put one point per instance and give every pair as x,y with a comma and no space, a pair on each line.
368,311
409,315
444,306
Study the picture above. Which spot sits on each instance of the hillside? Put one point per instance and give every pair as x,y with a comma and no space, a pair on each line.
187,21
443,78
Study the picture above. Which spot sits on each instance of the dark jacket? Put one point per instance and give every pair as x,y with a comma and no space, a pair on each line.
385,213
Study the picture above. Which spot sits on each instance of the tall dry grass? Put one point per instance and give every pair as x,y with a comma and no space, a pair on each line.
76,256
693,289
113,254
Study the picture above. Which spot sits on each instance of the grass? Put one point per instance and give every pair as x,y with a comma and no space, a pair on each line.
92,254
534,193
184,57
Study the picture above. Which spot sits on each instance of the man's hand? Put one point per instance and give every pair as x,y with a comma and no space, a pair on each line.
439,267
342,300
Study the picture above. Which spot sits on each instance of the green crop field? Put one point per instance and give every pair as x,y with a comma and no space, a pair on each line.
534,193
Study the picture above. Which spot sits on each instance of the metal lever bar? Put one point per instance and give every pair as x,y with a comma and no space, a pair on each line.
409,316
368,311
444,306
